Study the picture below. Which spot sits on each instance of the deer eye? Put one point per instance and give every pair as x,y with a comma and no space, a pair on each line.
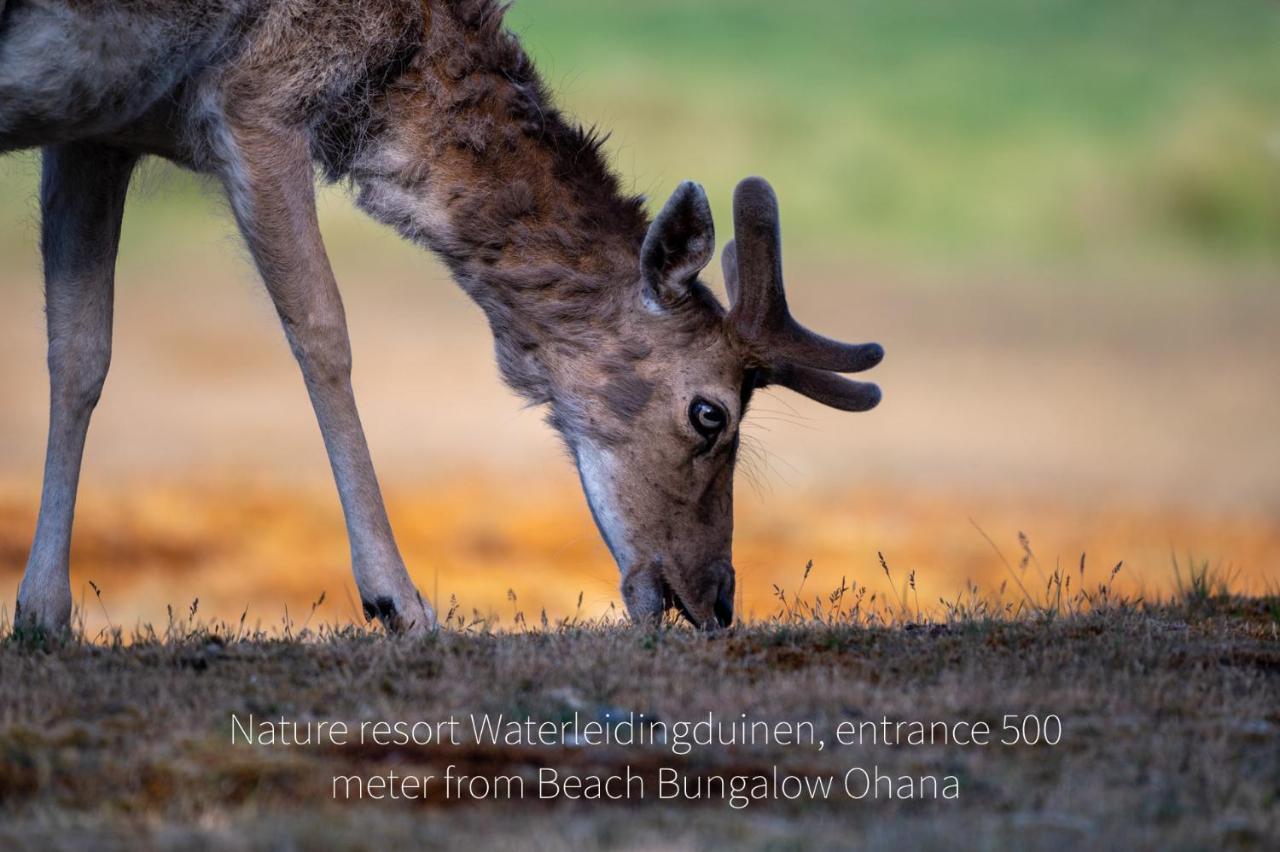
708,419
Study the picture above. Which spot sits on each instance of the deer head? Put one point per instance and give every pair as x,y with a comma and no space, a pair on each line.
653,418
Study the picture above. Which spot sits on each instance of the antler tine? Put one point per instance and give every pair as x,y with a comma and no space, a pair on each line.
827,388
729,265
761,305
759,311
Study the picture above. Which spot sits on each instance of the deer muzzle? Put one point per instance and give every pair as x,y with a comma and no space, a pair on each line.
703,596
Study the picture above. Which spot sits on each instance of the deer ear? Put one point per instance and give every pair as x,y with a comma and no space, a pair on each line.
680,242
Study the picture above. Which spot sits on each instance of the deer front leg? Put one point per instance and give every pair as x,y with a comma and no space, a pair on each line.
82,192
269,179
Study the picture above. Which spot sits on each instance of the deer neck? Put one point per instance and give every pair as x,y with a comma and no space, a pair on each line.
472,161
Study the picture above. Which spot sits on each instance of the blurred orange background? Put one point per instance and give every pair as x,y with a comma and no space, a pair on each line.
1081,418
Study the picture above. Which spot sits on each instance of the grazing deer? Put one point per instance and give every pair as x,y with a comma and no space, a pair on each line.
433,113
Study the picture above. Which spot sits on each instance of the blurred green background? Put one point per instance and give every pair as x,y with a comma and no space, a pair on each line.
931,132
1041,130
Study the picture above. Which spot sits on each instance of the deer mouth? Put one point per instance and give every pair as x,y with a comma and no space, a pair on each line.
670,601
722,609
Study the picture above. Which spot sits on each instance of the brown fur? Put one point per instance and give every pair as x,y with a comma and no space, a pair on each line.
437,117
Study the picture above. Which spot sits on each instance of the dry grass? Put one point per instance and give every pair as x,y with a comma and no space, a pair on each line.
480,541
1171,730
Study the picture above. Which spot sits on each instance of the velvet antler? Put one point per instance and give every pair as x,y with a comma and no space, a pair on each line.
796,357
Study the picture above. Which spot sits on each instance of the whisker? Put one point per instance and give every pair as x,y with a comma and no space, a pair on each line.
795,424
750,469
760,461
783,401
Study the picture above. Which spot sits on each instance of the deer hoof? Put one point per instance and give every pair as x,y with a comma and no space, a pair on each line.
47,610
412,616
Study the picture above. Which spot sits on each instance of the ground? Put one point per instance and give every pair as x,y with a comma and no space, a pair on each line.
1170,732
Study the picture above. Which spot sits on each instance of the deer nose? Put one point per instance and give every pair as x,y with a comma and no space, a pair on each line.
723,607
